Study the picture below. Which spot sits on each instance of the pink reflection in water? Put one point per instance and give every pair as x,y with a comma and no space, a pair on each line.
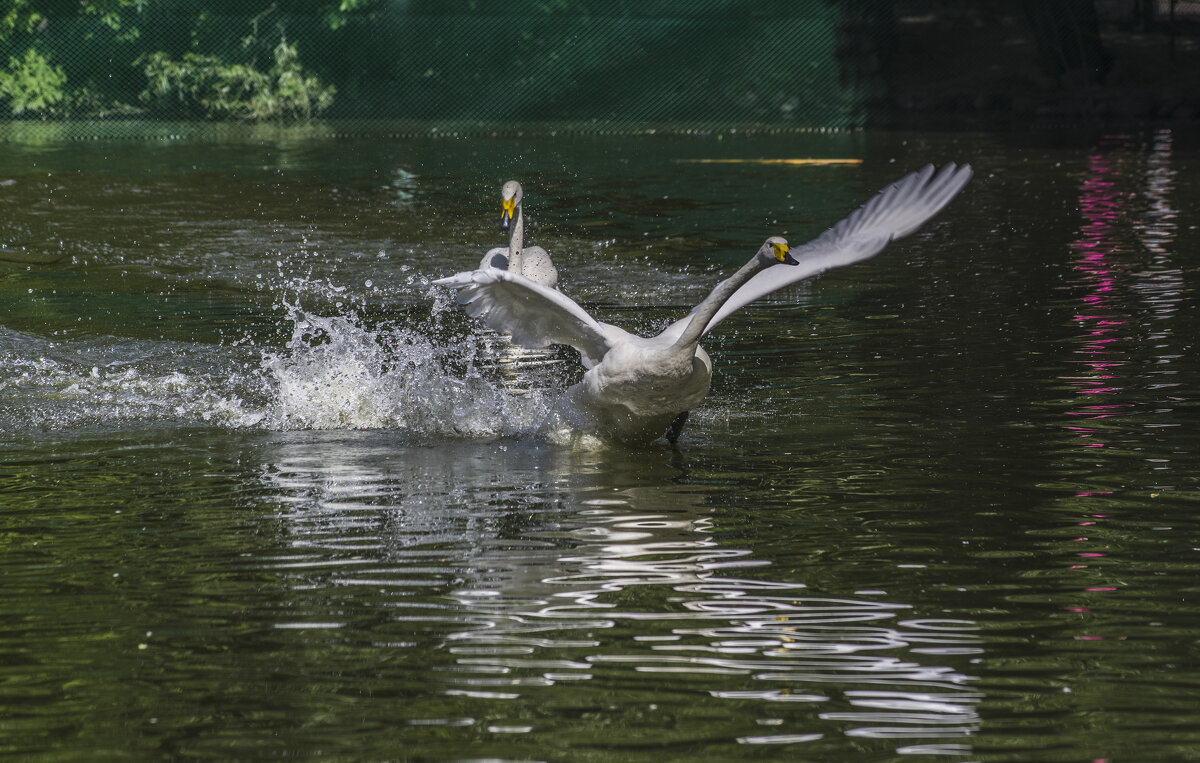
1114,275
1101,205
1116,284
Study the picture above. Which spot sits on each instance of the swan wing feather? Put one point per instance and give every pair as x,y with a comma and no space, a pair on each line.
896,211
532,314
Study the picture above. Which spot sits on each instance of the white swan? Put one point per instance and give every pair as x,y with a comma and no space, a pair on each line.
533,262
635,387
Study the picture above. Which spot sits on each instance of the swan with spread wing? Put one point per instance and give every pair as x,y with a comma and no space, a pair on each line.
637,389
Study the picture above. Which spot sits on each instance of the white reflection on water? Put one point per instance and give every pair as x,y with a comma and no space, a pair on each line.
1112,273
550,568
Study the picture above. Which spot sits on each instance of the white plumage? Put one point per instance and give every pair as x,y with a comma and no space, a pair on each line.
635,387
533,262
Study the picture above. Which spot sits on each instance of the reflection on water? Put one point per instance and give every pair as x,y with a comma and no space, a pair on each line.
1125,318
585,576
263,495
1112,274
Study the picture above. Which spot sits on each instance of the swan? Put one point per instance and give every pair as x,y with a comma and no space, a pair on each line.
636,389
533,262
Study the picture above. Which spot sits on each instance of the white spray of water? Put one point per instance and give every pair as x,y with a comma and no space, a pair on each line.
63,384
335,373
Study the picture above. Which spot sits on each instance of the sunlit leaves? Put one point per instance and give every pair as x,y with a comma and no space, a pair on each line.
213,88
31,83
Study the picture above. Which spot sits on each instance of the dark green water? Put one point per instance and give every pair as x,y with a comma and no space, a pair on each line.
264,493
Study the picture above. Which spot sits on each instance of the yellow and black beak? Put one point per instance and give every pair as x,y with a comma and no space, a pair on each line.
506,214
781,254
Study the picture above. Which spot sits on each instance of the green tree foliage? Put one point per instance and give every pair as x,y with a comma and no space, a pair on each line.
32,84
337,14
209,87
187,58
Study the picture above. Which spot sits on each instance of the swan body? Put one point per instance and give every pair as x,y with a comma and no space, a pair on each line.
635,387
533,262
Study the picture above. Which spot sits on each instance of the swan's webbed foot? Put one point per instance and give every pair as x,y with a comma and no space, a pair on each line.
676,427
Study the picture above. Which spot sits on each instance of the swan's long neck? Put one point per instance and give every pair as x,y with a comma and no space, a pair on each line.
516,238
717,297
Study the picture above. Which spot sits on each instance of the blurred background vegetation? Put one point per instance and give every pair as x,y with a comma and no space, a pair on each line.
608,63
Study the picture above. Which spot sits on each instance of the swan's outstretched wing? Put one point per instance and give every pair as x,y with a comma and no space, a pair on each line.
894,212
534,315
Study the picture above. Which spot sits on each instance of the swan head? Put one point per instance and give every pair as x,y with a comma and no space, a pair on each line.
774,251
510,199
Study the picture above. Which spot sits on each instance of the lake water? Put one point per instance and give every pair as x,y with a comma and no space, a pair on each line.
265,493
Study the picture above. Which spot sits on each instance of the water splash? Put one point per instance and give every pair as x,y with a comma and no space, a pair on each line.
70,384
336,373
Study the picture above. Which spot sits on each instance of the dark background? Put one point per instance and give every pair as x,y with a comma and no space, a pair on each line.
611,64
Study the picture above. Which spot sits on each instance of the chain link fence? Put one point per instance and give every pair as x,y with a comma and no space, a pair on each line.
124,67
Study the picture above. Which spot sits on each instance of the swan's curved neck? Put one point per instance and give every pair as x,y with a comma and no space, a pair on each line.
516,238
717,297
